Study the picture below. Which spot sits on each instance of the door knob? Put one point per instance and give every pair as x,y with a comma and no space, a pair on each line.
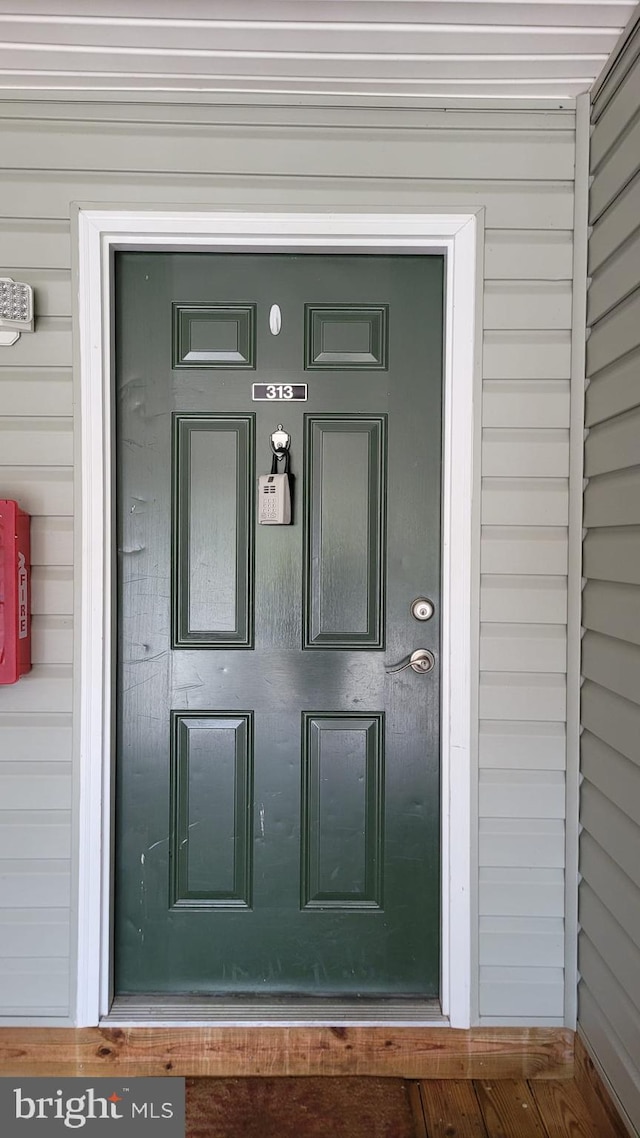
422,660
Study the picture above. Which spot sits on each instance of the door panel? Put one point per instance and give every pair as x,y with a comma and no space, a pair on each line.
211,781
342,804
213,531
345,532
277,825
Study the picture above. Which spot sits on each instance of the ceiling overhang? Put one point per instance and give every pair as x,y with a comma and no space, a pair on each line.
322,51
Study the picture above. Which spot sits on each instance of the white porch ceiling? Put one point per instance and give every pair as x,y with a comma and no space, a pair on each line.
310,50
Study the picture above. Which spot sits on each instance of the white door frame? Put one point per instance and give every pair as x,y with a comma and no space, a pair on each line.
100,232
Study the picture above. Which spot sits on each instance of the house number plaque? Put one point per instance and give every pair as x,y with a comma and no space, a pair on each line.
279,392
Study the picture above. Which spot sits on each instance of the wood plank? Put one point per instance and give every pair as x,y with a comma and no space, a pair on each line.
563,1110
451,1109
591,1087
534,1021
415,1102
413,1053
508,1109
519,204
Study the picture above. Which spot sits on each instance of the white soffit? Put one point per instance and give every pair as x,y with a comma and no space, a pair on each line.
310,50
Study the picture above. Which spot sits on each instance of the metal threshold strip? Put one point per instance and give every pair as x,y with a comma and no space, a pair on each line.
282,1011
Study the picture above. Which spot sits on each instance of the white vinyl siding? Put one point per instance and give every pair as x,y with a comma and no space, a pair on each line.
443,49
609,943
518,166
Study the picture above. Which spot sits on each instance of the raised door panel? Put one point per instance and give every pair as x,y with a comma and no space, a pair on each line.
214,336
345,532
211,798
346,338
343,804
212,531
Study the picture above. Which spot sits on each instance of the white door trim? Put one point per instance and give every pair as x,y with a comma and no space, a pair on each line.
458,236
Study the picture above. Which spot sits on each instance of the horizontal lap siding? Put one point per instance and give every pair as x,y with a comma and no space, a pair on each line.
523,608
518,167
609,961
36,457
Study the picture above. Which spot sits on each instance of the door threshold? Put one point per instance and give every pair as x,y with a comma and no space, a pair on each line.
275,1011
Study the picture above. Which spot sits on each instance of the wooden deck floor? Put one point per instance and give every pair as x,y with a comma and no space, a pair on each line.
318,1107
505,1108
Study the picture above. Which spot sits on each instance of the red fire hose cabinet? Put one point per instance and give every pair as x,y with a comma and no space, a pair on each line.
15,592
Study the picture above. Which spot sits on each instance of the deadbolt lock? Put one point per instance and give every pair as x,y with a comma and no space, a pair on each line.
422,608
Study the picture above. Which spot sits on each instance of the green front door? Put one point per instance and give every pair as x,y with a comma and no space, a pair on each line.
277,824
